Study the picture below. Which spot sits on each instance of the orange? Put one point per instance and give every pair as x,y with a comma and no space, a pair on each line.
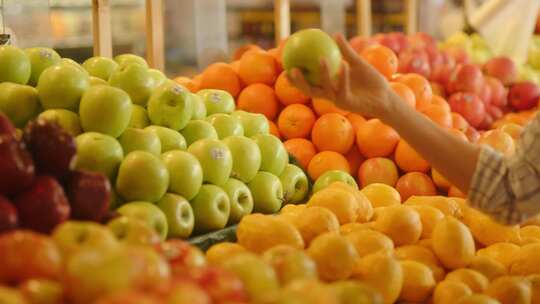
342,203
302,150
448,292
243,49
415,183
287,93
259,98
438,114
476,281
408,159
221,76
354,158
326,161
439,180
296,121
418,281
220,252
368,241
257,67
420,87
333,132
458,122
403,91
257,233
324,106
356,120
375,139
276,54
187,83
381,58
452,243
402,224
313,221
274,129
334,255
438,100
377,170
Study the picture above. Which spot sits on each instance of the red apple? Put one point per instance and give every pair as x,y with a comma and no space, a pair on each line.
186,292
486,123
181,256
502,68
401,39
494,112
222,286
441,74
466,78
469,106
6,127
359,43
485,94
43,206
459,55
129,296
27,255
89,194
8,215
411,61
16,166
388,41
524,95
498,91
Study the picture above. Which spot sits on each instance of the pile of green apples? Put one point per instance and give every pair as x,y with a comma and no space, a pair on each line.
182,162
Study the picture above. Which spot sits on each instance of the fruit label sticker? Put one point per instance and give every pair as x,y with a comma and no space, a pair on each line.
217,154
45,54
215,98
177,90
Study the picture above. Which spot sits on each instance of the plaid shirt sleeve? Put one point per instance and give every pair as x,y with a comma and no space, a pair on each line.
508,189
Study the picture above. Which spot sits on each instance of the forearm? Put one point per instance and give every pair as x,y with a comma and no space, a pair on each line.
451,156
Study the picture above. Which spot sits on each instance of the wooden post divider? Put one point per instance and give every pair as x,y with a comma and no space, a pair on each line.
101,28
282,19
364,18
411,13
155,43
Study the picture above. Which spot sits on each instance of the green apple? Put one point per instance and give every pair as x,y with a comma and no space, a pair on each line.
226,125
295,184
133,231
253,123
169,138
15,65
331,176
240,199
140,140
158,76
142,176
267,192
99,153
246,157
179,215
217,101
274,156
148,213
526,73
73,236
62,86
40,59
94,81
305,49
135,80
19,102
100,67
215,159
139,117
106,110
75,64
67,119
126,59
211,207
170,106
198,129
199,109
185,173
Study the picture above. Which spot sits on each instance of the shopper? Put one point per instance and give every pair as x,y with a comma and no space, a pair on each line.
506,188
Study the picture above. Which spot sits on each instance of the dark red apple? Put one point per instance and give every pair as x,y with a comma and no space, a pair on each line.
502,68
52,148
6,127
222,286
486,123
524,95
8,215
499,94
89,195
359,43
43,206
467,78
469,106
16,166
411,61
27,255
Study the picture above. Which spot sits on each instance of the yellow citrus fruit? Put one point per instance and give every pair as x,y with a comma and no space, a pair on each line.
342,203
369,241
418,281
448,292
429,216
535,288
381,195
350,227
510,290
222,251
334,255
446,205
452,243
400,223
355,292
290,263
504,253
477,299
487,231
426,243
531,231
487,266
311,291
476,281
422,255
292,208
527,260
365,209
314,221
257,232
383,272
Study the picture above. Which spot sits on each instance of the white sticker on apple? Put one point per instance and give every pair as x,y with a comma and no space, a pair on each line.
217,153
176,89
45,54
215,98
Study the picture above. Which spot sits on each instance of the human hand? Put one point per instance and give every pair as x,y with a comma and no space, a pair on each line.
358,86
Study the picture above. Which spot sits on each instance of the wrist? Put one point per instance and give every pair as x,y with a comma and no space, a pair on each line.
390,108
